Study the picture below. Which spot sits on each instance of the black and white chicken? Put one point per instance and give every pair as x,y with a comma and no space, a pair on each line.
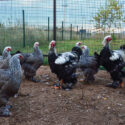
112,60
31,62
64,65
88,64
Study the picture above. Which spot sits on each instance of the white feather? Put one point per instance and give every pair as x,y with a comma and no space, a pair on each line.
60,60
64,58
114,56
122,53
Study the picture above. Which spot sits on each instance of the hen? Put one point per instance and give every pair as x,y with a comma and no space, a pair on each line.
111,60
31,62
64,65
10,80
88,64
4,59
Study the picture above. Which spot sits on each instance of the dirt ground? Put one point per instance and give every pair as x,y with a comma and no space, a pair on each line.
85,104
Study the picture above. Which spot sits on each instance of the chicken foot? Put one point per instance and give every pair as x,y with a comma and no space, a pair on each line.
4,111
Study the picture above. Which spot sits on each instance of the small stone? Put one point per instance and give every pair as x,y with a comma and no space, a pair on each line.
99,97
105,98
118,92
16,95
47,83
43,89
119,104
109,108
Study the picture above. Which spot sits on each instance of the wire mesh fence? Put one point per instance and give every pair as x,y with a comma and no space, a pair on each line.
22,22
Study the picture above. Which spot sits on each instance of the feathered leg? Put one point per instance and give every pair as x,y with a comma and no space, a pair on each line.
117,74
4,107
58,86
29,72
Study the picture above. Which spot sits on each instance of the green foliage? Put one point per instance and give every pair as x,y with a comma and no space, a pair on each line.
113,37
108,16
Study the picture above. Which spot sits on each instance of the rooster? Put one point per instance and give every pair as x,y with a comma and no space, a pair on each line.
64,65
111,60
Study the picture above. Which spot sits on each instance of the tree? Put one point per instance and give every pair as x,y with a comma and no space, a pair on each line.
108,16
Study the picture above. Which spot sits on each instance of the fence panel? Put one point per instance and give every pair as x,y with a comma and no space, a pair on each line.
22,22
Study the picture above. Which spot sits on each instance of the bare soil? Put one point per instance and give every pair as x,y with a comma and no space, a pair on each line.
85,104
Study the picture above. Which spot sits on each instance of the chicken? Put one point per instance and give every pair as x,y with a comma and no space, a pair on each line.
111,60
31,62
10,80
88,64
79,44
4,59
85,49
64,65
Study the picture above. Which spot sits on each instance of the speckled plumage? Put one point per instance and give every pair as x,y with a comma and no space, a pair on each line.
10,80
31,62
4,59
88,64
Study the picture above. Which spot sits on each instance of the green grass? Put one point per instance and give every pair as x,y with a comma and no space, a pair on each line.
13,36
64,46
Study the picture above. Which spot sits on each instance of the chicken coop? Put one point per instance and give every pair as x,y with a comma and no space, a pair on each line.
22,22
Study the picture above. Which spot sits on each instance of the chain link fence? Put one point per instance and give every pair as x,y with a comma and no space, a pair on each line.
22,22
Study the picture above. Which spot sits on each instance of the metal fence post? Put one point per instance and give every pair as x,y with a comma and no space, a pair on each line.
81,33
48,28
77,32
77,29
54,19
71,32
62,30
23,28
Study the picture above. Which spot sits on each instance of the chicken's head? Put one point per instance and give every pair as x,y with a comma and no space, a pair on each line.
19,56
85,50
84,47
79,43
36,44
52,44
8,49
106,40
